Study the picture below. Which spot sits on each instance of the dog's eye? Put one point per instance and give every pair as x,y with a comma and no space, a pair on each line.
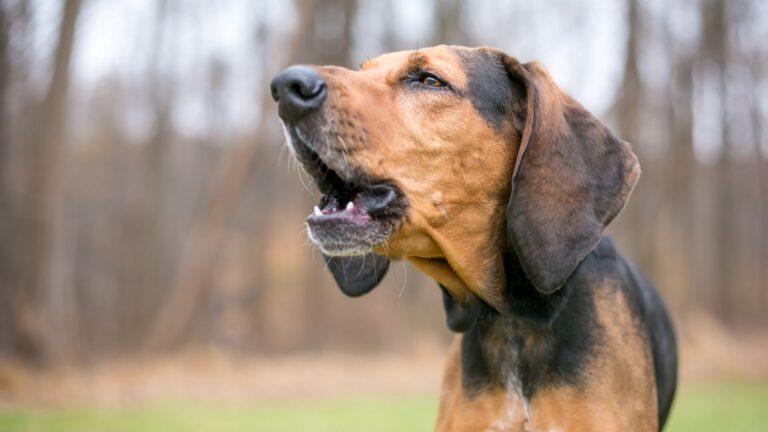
421,79
432,81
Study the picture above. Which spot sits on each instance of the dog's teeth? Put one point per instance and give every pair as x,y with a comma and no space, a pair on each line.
317,211
350,206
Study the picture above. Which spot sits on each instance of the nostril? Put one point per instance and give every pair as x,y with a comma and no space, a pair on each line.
298,90
307,90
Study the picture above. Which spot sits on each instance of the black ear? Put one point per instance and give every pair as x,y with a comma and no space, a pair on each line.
460,317
571,178
358,275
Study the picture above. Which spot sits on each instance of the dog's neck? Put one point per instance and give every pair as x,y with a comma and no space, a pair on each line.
538,340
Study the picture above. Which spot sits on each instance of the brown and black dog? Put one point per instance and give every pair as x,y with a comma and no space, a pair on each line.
484,175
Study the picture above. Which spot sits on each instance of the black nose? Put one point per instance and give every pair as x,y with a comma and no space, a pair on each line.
298,90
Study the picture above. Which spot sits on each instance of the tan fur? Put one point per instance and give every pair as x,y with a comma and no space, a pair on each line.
455,171
490,410
452,166
616,395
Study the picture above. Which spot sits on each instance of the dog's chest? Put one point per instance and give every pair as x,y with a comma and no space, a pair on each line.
513,415
511,412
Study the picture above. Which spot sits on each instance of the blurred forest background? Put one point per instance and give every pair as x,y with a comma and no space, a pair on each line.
147,203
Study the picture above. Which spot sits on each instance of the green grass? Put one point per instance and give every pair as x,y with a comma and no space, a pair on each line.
720,407
700,408
368,414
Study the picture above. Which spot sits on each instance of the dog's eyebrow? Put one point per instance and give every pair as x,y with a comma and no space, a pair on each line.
415,60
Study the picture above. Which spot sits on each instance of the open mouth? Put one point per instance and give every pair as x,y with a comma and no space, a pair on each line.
355,212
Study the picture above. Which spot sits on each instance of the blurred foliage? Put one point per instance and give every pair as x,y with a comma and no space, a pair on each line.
146,200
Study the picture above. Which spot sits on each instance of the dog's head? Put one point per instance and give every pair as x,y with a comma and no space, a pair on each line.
447,157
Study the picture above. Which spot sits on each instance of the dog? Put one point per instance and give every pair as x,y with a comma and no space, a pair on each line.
484,175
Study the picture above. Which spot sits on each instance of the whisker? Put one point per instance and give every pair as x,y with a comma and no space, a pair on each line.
367,57
344,151
440,207
301,179
405,279
326,263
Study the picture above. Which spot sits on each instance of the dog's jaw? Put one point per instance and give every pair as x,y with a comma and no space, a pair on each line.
356,213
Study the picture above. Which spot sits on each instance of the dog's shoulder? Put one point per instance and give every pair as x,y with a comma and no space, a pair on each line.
607,270
606,273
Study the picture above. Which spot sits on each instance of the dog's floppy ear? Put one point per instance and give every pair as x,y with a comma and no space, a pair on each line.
571,177
357,275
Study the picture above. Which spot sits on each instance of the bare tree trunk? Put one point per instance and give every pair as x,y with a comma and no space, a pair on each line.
44,151
448,29
715,45
759,69
630,106
333,47
151,254
205,240
749,218
680,174
8,276
763,216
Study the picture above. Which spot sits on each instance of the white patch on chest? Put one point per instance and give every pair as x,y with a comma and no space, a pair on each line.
514,417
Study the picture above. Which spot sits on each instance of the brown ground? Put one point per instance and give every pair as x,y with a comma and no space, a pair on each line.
708,352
